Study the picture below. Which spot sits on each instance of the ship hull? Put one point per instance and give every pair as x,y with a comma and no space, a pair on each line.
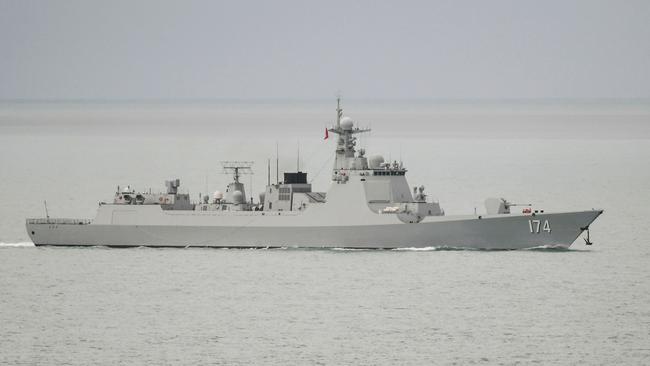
472,232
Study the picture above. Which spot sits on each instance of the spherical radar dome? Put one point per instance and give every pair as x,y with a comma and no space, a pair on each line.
237,197
375,161
347,123
217,195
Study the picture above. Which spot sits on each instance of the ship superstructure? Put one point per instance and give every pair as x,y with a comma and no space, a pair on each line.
368,205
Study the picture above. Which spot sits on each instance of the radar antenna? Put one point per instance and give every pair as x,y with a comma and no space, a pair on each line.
339,116
339,111
237,168
346,142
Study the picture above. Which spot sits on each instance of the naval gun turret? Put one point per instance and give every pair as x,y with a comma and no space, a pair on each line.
501,206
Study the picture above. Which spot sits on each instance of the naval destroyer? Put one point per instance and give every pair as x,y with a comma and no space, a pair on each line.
369,204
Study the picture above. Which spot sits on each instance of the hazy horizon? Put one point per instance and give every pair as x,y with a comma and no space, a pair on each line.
331,99
244,120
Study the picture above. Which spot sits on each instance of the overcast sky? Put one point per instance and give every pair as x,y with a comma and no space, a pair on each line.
111,49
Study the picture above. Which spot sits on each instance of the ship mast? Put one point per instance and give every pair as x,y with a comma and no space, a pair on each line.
339,112
237,168
346,142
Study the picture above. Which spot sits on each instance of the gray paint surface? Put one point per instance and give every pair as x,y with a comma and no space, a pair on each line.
344,220
494,232
367,206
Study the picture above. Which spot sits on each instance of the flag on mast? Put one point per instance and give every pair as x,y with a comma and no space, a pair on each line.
327,134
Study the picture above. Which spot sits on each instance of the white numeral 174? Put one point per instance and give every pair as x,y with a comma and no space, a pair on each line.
536,225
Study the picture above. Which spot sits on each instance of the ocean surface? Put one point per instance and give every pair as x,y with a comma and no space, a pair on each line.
79,306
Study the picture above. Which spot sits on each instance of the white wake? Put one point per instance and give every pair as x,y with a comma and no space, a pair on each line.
19,244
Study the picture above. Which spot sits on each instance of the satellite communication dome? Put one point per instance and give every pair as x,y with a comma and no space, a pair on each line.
347,123
217,195
237,197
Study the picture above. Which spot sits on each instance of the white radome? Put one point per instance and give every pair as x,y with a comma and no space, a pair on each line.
375,161
347,123
217,195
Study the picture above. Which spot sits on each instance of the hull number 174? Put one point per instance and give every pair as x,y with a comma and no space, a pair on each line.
536,226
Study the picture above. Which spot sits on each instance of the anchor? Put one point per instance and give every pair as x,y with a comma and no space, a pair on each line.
587,240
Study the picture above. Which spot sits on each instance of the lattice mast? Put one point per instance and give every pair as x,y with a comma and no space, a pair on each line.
346,142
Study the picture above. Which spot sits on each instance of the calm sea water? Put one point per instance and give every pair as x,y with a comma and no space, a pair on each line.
586,305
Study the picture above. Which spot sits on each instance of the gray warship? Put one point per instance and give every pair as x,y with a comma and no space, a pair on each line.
369,204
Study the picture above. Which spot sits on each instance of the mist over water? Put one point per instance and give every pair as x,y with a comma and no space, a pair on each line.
96,305
404,119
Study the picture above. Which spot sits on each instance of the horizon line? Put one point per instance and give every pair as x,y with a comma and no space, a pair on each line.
613,100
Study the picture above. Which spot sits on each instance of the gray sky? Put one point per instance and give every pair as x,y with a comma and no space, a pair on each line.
85,49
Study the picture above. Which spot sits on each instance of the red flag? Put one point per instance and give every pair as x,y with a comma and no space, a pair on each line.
327,134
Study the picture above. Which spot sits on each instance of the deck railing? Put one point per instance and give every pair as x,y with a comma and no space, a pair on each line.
60,221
